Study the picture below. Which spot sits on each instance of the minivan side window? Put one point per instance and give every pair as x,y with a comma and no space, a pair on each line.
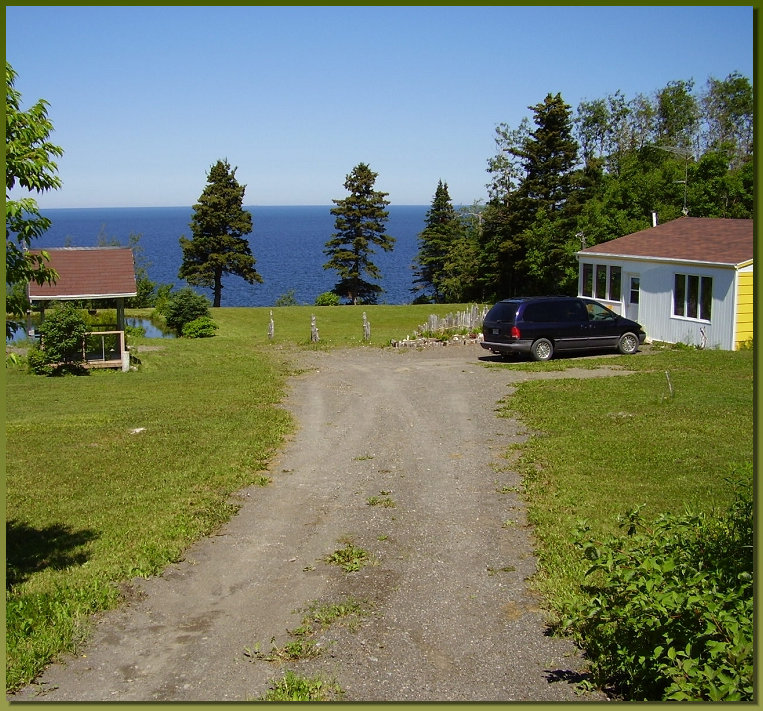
562,311
577,311
535,313
566,311
597,312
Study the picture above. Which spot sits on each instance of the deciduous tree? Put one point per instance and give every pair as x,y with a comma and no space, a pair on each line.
219,224
360,227
29,165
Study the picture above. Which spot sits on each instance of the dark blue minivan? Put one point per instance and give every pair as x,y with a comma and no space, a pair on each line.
543,325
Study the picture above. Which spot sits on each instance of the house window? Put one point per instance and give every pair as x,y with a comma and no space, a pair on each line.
587,279
635,289
693,296
615,279
601,281
607,283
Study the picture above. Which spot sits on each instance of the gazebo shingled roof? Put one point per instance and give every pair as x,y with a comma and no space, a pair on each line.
87,273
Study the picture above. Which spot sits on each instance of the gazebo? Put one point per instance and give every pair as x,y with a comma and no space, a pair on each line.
88,274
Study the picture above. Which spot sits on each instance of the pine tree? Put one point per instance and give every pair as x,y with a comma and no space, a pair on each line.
360,224
436,241
218,226
549,156
529,227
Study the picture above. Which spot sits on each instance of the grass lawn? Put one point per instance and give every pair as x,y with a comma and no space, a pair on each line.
606,446
113,475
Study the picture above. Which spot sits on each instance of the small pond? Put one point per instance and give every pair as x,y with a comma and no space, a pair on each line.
151,329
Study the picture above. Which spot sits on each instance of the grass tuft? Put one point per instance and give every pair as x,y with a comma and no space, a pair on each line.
350,558
292,687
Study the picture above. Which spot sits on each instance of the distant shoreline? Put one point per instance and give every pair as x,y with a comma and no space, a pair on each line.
189,207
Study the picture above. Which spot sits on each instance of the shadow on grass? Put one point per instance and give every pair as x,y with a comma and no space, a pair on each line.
30,550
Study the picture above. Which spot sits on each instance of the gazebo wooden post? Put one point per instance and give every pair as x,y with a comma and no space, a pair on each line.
120,314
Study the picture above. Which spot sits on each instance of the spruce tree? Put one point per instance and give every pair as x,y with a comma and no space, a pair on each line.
436,241
549,155
219,224
360,224
528,227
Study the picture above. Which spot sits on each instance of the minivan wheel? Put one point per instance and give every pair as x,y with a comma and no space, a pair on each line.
628,343
542,349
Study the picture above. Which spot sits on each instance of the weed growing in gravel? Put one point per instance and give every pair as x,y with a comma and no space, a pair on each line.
290,652
364,457
348,612
382,500
299,688
505,569
350,558
508,490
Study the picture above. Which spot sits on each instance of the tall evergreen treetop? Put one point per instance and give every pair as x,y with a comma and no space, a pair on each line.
218,226
443,228
360,223
550,154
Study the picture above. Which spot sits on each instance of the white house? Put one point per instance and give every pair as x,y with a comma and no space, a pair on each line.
689,280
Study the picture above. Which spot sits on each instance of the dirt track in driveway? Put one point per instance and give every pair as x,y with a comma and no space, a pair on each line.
449,615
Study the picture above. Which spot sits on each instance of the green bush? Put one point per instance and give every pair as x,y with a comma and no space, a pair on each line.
185,306
203,327
37,362
63,332
327,298
287,299
163,296
668,613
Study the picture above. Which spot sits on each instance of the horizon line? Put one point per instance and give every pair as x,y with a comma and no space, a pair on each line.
162,207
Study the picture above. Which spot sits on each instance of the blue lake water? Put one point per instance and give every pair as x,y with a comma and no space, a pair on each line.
287,243
151,331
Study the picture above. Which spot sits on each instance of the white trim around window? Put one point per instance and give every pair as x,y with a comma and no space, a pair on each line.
692,297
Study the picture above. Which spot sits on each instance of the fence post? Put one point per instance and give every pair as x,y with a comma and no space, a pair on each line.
271,327
314,338
366,328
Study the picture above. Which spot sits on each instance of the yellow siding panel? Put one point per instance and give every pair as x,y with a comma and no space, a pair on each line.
745,289
744,312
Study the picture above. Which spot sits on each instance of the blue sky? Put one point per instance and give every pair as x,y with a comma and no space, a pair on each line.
145,99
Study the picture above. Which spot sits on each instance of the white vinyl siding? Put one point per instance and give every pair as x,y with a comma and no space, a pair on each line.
657,300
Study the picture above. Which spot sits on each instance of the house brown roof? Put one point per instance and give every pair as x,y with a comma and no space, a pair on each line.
697,239
87,273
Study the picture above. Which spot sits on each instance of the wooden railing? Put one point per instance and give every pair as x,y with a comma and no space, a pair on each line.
100,356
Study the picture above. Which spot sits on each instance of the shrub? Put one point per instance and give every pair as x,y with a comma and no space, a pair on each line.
163,296
668,615
203,327
327,298
63,332
287,299
183,307
37,362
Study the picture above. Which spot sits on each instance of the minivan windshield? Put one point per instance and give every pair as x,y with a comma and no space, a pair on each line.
503,311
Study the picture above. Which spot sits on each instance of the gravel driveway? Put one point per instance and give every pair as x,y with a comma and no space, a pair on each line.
448,614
